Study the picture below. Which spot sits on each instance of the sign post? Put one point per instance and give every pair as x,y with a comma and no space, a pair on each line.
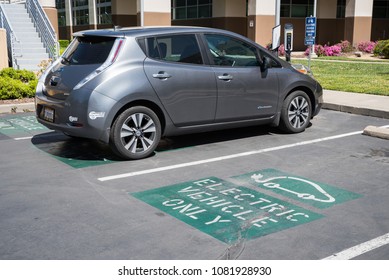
310,35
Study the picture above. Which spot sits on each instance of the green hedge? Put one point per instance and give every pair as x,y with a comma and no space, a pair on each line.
63,43
385,50
379,48
15,84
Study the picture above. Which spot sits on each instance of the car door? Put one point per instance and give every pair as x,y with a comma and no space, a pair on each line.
183,83
244,90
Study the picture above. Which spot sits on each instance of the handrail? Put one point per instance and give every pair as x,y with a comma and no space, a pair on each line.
11,1
12,39
44,27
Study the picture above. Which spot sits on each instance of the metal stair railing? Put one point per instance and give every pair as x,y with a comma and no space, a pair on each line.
44,27
11,1
12,40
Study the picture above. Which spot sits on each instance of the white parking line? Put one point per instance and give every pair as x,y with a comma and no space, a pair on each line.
361,248
249,153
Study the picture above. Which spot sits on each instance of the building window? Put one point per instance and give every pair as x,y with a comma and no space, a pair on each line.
80,11
296,8
191,9
381,9
341,9
104,11
60,5
61,19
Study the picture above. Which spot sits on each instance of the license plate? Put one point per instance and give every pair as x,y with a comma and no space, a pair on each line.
48,114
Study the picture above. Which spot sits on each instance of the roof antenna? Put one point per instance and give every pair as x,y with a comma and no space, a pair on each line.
109,17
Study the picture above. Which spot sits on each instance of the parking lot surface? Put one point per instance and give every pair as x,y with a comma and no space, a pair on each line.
252,193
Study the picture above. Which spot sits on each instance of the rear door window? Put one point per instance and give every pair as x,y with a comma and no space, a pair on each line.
175,48
89,50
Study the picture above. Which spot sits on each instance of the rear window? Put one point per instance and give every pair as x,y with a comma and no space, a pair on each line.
89,50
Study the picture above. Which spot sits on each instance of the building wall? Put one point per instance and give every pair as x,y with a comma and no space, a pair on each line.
3,48
228,15
257,19
261,20
51,12
155,12
329,28
124,13
358,23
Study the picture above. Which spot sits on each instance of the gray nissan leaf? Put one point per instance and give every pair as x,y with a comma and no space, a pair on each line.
129,87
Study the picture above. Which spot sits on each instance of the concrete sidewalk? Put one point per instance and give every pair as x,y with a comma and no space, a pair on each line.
17,108
357,103
360,104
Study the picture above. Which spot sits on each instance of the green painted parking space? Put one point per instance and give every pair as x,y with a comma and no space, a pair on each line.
77,153
21,126
226,211
319,195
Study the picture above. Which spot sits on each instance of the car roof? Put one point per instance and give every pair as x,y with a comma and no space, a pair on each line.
147,31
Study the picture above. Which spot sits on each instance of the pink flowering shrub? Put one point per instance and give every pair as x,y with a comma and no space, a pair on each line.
319,50
281,50
335,50
367,46
346,46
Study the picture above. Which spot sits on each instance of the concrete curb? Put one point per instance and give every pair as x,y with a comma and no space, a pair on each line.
357,103
380,132
356,110
17,108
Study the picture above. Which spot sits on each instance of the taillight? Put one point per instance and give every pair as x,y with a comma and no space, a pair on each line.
117,50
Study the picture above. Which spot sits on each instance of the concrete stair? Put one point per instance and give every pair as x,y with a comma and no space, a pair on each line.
30,52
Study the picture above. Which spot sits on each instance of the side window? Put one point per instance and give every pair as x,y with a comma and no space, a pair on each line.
175,48
228,51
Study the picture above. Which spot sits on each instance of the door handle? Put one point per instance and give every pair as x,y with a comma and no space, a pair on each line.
162,75
225,77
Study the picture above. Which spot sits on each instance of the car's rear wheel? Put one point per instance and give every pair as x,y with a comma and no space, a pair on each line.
296,112
135,133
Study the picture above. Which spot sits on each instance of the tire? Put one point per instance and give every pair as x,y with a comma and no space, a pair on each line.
135,134
296,112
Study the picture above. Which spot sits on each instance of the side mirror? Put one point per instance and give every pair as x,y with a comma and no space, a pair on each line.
266,63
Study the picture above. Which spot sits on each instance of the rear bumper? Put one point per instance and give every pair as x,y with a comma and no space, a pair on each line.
75,116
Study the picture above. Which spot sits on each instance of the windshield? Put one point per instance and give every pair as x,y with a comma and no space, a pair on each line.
88,50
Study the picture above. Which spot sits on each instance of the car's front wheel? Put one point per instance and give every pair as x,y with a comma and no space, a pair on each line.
296,112
136,132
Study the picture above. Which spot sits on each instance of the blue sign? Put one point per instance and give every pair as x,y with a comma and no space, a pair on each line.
309,41
310,21
310,27
310,31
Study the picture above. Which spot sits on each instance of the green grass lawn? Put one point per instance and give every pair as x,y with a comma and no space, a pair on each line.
371,78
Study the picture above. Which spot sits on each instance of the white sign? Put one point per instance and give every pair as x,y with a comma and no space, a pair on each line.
276,41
